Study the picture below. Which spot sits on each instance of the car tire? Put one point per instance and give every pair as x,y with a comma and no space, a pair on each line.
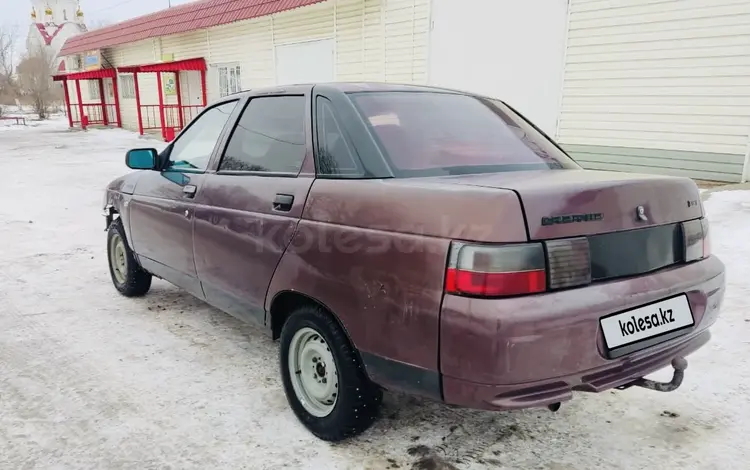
127,275
312,341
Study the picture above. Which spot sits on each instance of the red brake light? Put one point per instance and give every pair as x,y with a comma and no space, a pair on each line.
495,271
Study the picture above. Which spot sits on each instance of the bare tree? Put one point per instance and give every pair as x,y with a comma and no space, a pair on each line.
35,79
7,59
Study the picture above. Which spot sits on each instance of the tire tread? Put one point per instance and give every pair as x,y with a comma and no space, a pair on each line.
137,281
359,399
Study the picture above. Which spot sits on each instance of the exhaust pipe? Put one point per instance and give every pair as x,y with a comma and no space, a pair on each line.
679,364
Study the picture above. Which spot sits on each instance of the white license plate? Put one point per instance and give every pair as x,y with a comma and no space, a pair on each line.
646,322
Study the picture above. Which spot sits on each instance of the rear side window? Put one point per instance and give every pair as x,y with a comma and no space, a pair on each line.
433,133
334,155
269,137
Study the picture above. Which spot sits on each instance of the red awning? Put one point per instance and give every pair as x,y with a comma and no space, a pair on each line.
179,19
176,66
88,75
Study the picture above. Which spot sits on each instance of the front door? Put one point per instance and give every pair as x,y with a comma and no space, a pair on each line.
163,204
249,209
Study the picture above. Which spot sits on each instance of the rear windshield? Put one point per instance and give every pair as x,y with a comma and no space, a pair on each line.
433,133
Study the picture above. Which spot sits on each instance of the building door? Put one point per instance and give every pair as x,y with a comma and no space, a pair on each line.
305,62
109,101
191,94
191,89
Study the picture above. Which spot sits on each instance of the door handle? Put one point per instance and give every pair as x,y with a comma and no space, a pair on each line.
283,202
189,190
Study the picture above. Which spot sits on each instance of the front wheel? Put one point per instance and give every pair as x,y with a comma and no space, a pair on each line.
324,380
127,275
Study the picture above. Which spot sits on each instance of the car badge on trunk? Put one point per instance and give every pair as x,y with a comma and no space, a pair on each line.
640,212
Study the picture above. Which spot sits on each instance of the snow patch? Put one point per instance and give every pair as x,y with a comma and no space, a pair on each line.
90,379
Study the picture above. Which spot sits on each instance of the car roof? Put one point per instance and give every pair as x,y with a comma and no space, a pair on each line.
344,87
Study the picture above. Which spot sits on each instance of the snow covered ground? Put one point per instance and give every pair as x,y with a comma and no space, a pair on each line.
92,380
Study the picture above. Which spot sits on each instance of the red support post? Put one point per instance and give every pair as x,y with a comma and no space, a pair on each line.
67,102
117,101
161,106
204,89
138,102
80,105
179,99
102,99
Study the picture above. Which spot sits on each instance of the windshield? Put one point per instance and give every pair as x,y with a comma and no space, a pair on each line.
434,133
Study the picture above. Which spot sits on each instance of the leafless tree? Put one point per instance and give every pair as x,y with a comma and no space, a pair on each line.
7,51
35,79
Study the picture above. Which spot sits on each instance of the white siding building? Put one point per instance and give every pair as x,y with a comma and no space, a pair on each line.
658,86
653,86
323,40
455,43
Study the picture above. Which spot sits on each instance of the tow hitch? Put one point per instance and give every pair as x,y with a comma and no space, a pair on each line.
678,363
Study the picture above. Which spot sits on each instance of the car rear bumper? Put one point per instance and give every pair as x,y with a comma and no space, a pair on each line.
533,351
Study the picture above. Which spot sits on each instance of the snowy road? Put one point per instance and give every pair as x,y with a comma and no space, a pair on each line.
92,380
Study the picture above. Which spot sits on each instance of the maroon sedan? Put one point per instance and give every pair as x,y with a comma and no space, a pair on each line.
421,240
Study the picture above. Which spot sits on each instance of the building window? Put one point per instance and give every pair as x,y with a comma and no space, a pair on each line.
127,86
230,79
94,90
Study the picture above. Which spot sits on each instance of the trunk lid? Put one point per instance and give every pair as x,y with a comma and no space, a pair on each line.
568,203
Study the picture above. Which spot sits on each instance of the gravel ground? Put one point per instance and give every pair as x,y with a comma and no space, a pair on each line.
92,380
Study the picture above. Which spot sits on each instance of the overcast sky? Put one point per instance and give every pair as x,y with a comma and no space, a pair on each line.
16,13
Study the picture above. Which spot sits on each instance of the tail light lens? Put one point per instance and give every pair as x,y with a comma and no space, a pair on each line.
483,270
496,271
706,240
569,262
696,240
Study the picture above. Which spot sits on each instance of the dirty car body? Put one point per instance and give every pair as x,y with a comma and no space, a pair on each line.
463,254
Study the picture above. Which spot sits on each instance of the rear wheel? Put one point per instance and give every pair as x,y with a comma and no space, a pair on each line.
127,276
324,380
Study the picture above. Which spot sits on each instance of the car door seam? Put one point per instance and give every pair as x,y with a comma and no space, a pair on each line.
286,246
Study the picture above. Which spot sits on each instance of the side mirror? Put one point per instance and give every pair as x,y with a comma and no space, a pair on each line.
141,159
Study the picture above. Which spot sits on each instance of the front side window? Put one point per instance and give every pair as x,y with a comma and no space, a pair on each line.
230,79
193,149
269,137
435,133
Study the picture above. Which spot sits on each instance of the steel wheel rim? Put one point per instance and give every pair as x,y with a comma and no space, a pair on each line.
313,372
118,259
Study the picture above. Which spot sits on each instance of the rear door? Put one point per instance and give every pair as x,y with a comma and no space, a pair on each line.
250,207
163,204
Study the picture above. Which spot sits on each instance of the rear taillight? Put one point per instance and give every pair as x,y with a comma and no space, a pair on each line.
696,240
496,270
569,262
